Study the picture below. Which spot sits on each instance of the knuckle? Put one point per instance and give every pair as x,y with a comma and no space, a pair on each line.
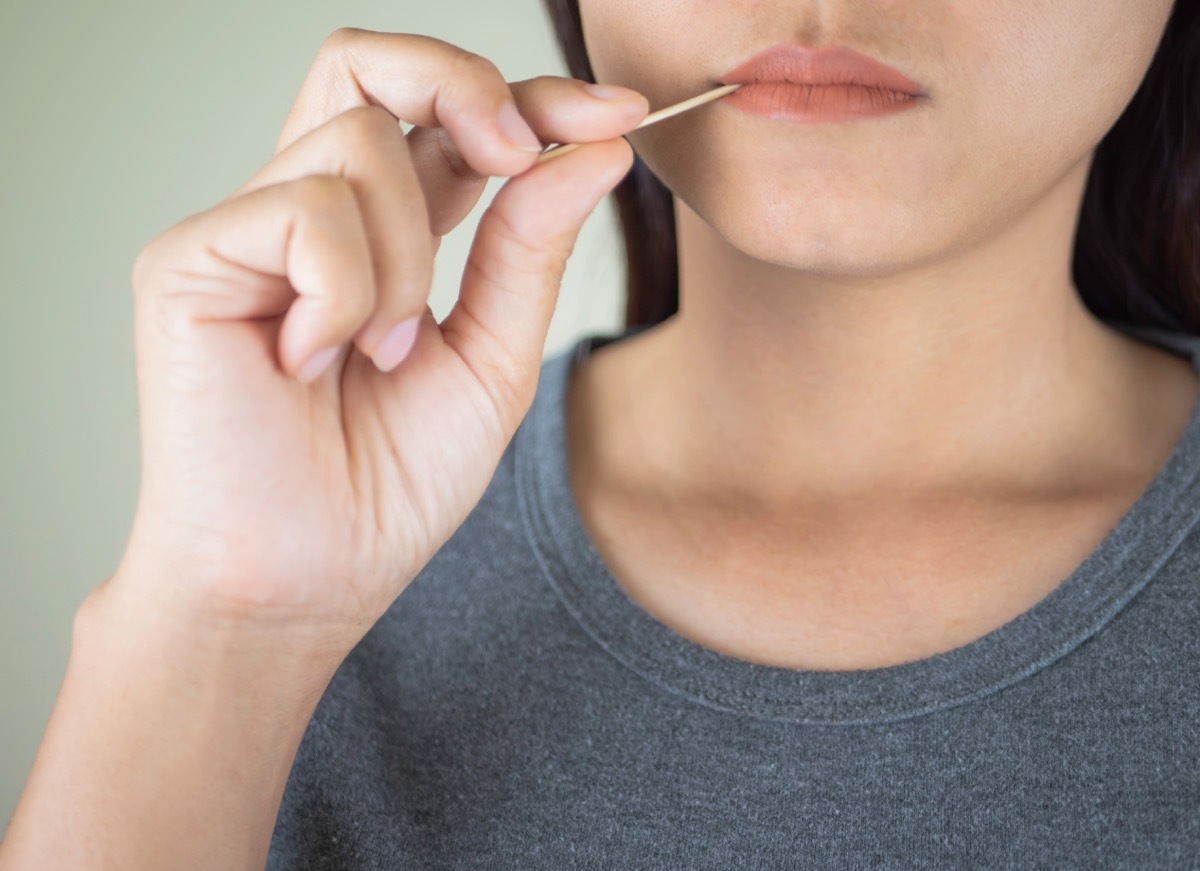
416,264
325,195
359,305
149,262
404,281
340,38
538,83
467,66
143,266
529,255
368,127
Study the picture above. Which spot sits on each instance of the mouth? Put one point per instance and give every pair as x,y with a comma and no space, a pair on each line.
831,83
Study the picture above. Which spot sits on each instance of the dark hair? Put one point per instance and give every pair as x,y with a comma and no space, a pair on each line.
1137,248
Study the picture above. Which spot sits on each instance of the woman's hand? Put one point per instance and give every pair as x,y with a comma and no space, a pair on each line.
278,519
267,497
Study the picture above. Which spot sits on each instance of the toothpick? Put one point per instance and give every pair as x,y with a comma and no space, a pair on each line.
652,118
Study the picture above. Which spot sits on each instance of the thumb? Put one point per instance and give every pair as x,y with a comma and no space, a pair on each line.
513,272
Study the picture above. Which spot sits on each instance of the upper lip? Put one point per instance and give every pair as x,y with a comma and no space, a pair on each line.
827,65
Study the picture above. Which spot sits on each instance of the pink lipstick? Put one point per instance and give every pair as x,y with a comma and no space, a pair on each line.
809,85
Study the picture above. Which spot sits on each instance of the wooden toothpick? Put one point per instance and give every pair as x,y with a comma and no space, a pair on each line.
652,118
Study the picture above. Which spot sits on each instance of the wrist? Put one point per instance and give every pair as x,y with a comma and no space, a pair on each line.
150,589
286,665
172,736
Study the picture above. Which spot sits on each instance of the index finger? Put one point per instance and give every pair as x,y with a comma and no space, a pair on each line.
422,81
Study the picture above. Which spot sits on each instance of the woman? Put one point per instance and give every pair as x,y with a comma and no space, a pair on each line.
870,543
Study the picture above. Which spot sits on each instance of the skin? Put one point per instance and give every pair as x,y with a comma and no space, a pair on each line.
883,423
284,507
880,391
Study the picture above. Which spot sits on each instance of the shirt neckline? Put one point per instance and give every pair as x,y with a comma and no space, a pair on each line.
1118,569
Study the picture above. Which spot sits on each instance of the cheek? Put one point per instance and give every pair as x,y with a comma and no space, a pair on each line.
620,37
1058,71
1039,84
662,48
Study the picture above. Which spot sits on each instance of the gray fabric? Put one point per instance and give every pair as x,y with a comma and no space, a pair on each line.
515,709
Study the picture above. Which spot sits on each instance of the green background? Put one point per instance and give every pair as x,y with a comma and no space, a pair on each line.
119,120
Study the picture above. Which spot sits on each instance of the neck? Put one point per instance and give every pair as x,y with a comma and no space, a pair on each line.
980,369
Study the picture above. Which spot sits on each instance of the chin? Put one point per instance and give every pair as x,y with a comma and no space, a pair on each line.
829,235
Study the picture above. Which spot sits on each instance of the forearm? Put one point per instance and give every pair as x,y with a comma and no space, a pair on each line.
170,743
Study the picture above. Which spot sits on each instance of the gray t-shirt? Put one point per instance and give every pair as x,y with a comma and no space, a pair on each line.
515,709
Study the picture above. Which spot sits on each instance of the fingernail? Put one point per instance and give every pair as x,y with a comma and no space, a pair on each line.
609,92
316,364
516,130
396,345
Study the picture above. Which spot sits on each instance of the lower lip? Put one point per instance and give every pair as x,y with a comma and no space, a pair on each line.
816,103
